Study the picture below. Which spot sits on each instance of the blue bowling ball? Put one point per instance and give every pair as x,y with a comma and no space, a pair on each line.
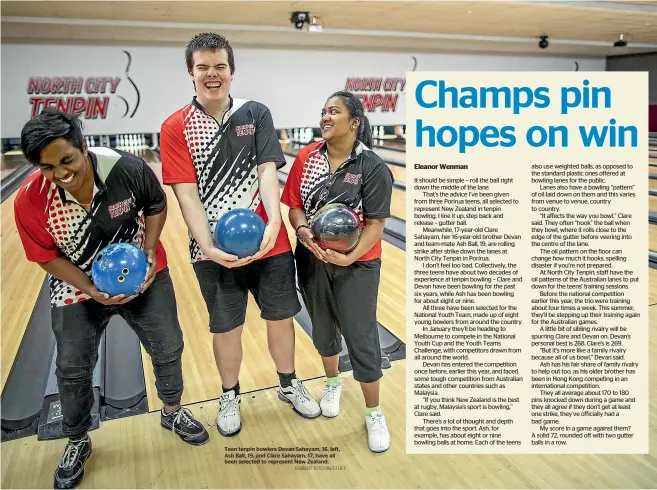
120,268
239,232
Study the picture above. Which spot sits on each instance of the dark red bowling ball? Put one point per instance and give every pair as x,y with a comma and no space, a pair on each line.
336,227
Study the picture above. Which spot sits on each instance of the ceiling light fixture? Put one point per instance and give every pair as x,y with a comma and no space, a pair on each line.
621,43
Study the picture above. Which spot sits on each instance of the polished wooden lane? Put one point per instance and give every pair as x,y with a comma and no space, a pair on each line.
652,237
652,289
395,156
652,203
390,143
398,173
149,457
10,162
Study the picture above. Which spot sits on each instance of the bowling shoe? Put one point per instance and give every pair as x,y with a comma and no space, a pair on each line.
70,472
228,417
330,403
378,436
297,395
182,422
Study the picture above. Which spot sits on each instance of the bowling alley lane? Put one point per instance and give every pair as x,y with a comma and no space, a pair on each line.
652,205
393,156
10,162
398,173
652,237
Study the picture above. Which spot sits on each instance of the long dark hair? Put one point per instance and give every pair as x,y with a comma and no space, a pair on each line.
355,108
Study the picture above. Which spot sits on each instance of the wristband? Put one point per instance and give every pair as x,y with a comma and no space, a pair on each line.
299,227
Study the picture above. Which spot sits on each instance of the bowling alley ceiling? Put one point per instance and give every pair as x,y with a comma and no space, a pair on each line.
573,27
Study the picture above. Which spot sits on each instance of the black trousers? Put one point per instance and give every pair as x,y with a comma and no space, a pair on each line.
78,329
343,300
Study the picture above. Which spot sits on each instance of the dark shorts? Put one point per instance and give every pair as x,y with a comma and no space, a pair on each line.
271,281
343,300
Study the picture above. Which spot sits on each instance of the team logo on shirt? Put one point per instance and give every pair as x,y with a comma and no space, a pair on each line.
121,207
352,178
245,130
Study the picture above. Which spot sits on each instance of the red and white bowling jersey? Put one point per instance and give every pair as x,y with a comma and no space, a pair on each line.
363,182
51,223
222,159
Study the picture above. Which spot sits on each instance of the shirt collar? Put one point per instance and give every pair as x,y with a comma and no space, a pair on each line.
355,151
99,181
200,107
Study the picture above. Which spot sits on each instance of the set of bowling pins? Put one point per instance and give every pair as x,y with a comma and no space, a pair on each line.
302,135
378,132
130,142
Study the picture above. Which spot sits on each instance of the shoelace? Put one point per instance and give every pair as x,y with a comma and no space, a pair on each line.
224,406
228,407
186,416
331,392
377,425
71,454
303,392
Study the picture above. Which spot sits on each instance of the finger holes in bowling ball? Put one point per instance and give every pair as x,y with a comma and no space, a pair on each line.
119,269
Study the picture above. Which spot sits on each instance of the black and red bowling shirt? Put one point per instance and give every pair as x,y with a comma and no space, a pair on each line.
51,223
363,182
222,159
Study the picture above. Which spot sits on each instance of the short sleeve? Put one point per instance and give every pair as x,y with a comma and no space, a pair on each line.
39,245
268,147
154,199
377,192
291,196
177,163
